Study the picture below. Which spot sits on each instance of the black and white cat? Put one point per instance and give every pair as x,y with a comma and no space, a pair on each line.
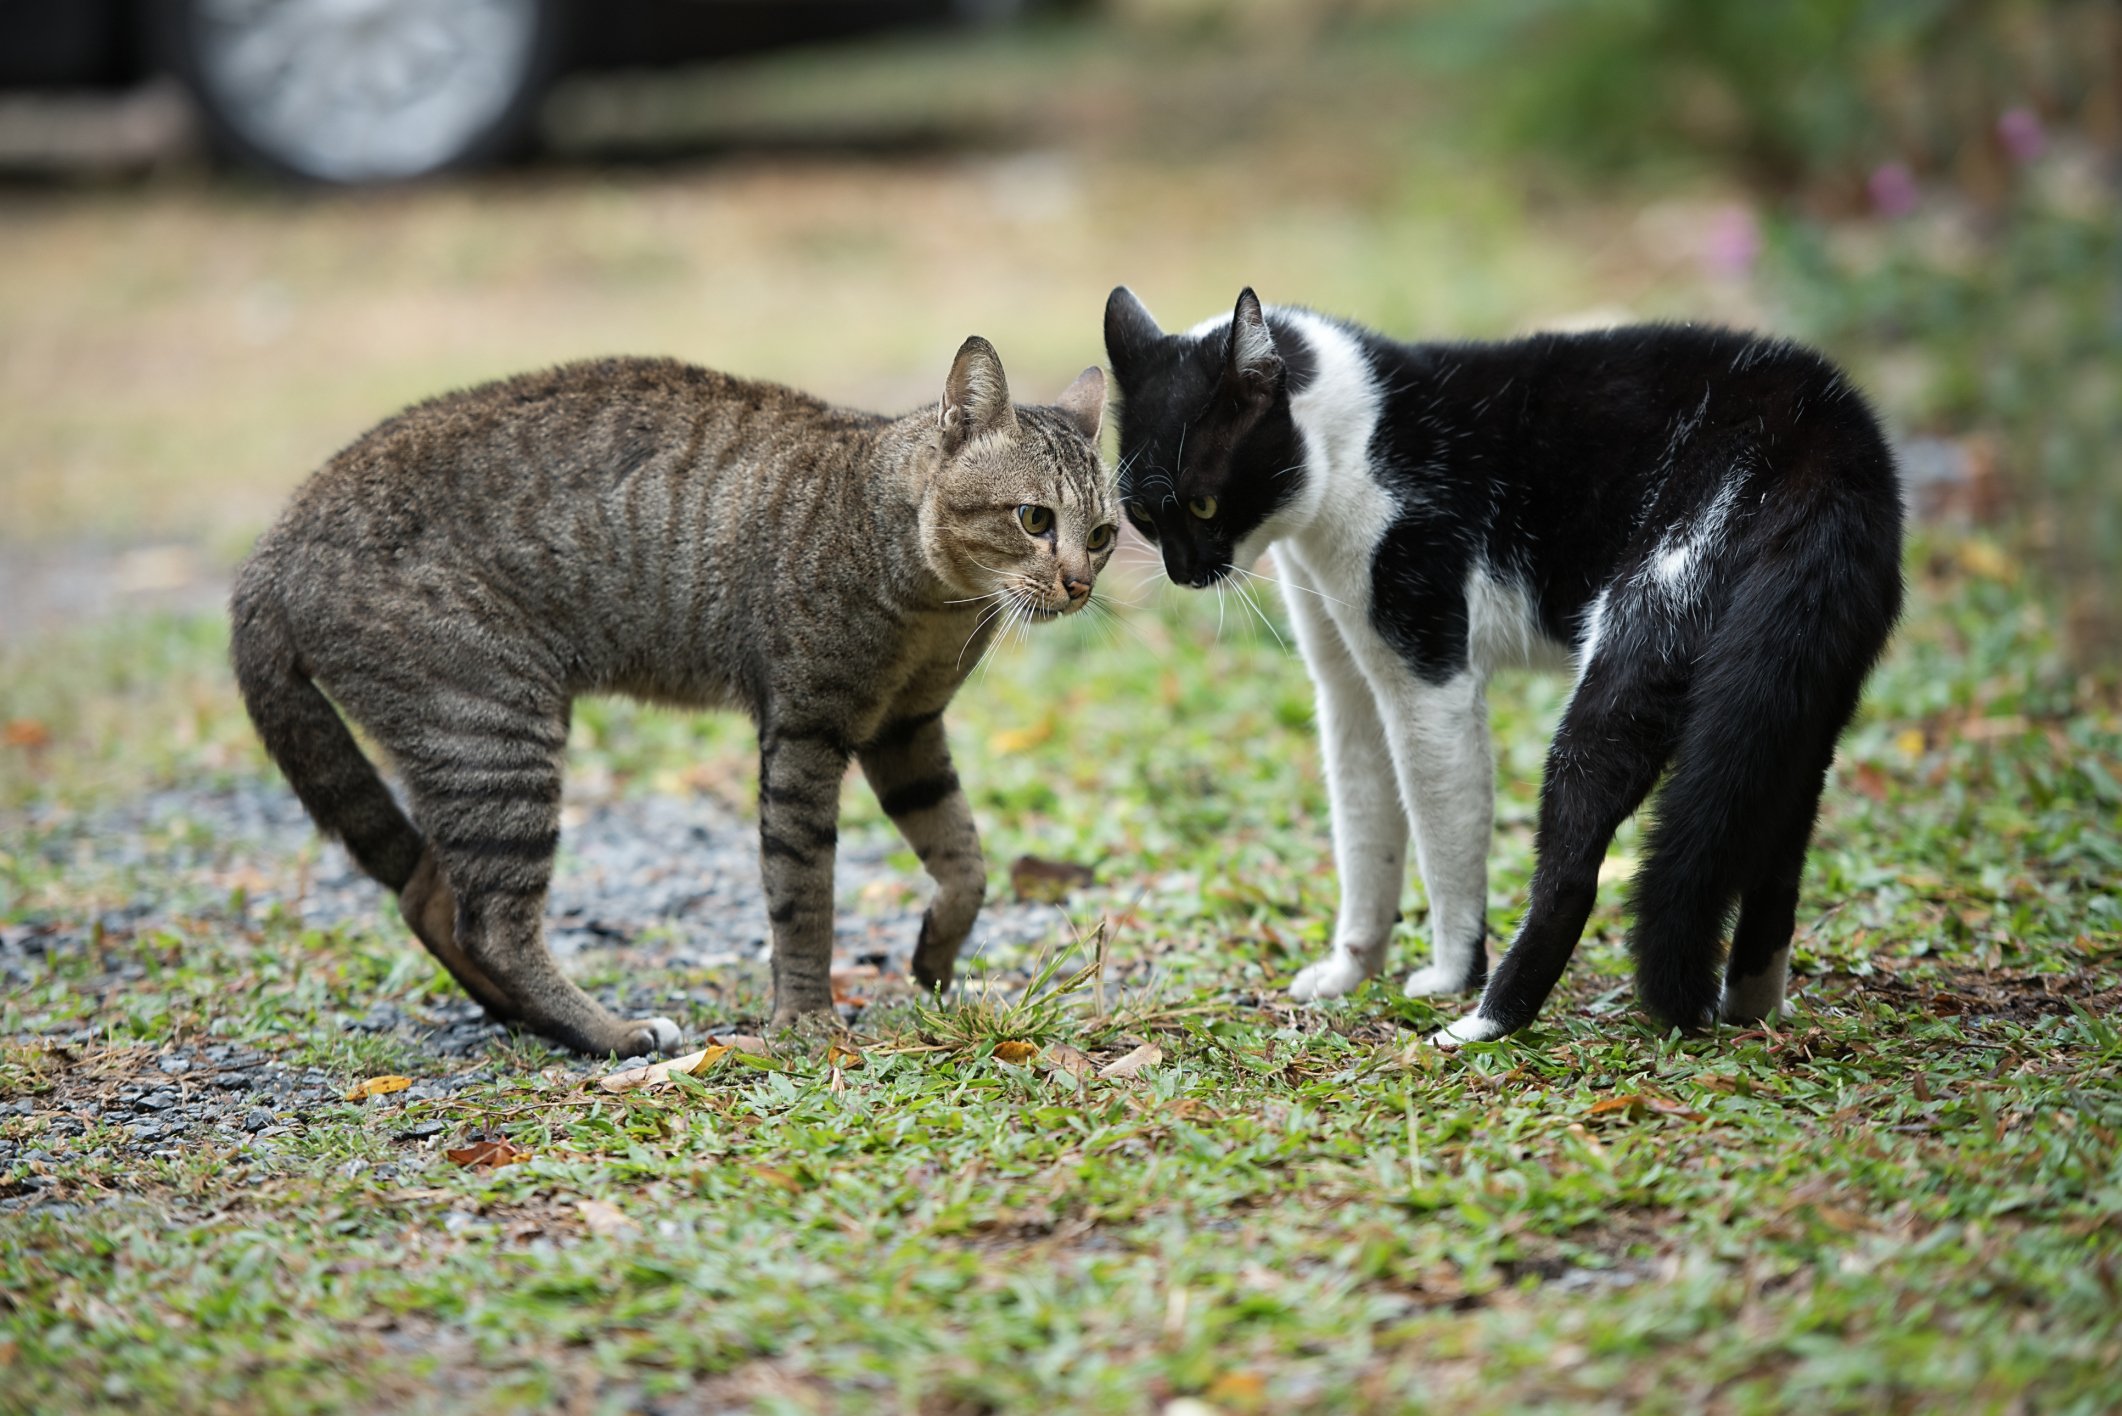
1707,523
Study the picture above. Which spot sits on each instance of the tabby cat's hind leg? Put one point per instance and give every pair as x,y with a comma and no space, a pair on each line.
430,909
489,803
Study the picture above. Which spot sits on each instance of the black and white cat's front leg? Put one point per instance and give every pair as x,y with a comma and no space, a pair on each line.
909,767
1446,770
1369,823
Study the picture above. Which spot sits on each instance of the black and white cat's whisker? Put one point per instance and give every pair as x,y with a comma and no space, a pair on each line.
1245,598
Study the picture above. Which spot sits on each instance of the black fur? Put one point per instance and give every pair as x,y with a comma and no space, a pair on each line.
1563,465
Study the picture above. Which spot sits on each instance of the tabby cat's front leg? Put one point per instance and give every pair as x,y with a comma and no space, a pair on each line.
909,768
799,808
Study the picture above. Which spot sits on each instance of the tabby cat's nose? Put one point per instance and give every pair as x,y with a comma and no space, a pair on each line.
1077,589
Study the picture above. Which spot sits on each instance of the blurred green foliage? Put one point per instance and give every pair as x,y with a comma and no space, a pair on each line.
1941,182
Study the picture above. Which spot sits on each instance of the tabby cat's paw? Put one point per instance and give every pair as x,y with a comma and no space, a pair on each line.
1471,1028
1332,976
650,1035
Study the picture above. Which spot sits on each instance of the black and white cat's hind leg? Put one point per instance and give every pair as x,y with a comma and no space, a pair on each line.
1616,736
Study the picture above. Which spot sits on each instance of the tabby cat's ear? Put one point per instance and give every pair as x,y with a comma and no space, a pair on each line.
1130,330
1254,363
1084,402
975,396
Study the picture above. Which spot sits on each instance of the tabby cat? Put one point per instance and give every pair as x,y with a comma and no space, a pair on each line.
1707,523
458,575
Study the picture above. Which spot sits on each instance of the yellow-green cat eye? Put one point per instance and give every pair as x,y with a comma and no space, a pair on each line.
1139,514
1036,520
1098,539
1203,507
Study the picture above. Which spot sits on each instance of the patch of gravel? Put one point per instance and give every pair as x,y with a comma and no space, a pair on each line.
673,880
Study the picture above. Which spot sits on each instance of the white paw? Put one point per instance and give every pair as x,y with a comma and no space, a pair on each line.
1471,1028
659,1035
1759,997
1433,980
1332,976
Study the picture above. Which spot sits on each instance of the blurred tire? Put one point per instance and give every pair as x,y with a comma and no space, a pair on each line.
361,91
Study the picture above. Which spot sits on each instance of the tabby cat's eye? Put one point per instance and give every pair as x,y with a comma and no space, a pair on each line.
1098,540
1036,520
1203,507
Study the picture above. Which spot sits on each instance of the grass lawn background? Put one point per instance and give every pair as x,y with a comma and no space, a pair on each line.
1901,1197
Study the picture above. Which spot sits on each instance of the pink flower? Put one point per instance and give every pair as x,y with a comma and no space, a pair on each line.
2019,129
1733,241
1893,189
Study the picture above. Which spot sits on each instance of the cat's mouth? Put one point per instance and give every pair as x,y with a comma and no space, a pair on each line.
1041,606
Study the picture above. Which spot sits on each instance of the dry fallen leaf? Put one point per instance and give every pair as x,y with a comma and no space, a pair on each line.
487,1155
1607,1105
848,1058
1665,1107
26,733
1060,1057
656,1073
1017,739
1047,882
603,1219
846,982
1147,1055
1017,1052
378,1086
782,1178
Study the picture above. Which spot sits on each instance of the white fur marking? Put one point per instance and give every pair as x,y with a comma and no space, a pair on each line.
1471,1028
1338,973
1760,996
1433,981
1502,630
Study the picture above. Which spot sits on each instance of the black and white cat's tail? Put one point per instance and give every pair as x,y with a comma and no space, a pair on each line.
1808,613
309,740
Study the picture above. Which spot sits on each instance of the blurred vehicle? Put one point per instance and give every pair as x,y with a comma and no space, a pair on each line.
355,91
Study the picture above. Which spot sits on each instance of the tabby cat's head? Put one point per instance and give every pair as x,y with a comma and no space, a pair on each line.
1208,451
1018,508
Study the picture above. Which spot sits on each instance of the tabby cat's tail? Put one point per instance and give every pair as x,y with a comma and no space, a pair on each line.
310,741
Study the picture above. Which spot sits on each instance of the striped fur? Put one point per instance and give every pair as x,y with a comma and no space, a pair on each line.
458,576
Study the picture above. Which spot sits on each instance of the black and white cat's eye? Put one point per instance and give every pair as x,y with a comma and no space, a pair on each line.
1099,538
1036,520
1139,514
1203,507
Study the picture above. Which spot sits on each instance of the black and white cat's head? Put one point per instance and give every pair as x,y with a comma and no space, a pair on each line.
1209,452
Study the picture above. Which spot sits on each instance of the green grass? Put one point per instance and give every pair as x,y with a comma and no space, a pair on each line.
1903,1197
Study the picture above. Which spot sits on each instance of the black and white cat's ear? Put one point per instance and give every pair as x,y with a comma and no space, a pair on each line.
1084,402
1253,360
1130,330
975,396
